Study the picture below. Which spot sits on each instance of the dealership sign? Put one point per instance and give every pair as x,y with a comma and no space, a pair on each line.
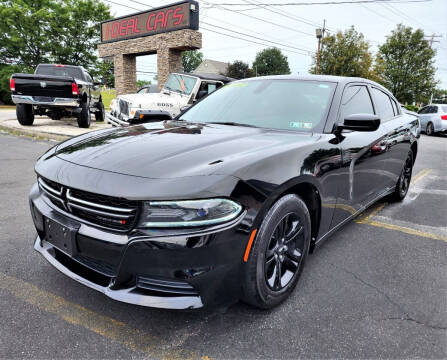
182,15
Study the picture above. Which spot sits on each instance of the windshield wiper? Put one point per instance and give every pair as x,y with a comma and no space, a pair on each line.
231,123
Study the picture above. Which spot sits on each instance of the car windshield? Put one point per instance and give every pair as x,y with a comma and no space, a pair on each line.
59,70
180,83
279,104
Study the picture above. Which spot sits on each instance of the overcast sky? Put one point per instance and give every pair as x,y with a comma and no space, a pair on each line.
295,27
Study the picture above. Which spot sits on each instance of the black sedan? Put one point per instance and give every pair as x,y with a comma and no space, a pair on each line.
226,201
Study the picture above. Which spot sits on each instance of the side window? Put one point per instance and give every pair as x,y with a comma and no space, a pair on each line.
383,104
356,100
423,110
395,107
434,110
211,88
88,78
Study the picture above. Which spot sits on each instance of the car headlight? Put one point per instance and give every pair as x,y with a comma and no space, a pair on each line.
157,214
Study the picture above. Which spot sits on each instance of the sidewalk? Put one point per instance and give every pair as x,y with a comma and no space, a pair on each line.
45,128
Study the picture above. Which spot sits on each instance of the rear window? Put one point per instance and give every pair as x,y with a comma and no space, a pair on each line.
59,71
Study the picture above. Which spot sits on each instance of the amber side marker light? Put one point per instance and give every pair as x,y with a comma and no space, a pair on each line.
250,243
141,116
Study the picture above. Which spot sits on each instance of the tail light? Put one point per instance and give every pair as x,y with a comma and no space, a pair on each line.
444,117
12,84
74,89
59,65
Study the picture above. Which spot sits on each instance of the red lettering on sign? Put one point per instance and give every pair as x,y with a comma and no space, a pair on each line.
129,27
107,35
160,18
115,26
167,16
123,27
135,28
178,15
148,26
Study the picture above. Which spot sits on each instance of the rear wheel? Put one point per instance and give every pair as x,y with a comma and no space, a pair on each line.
430,130
100,114
25,114
278,253
84,116
403,183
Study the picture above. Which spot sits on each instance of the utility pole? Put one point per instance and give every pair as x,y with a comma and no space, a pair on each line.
320,34
431,41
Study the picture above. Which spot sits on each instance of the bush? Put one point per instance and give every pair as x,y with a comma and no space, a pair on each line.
411,107
5,73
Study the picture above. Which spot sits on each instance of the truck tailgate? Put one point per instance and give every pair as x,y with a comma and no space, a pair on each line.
43,85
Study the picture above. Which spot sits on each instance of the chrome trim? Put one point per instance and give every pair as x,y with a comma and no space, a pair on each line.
102,235
125,295
48,187
105,207
26,99
83,208
115,121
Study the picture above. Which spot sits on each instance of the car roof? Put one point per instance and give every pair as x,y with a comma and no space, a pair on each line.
209,76
329,78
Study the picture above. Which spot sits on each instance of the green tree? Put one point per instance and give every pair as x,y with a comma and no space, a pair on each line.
141,83
239,70
42,31
405,63
191,59
440,96
345,54
271,61
104,73
5,73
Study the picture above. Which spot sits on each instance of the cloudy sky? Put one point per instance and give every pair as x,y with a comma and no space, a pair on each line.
293,27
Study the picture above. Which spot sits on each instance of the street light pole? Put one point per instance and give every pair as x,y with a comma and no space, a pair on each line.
320,34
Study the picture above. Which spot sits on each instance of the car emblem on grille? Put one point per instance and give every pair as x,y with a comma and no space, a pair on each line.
43,84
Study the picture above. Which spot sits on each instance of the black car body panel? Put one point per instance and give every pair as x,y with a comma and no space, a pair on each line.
339,175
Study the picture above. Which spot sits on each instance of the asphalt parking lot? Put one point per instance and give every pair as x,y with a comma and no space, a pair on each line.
376,289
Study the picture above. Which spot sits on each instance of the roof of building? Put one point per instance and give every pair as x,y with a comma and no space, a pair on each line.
212,66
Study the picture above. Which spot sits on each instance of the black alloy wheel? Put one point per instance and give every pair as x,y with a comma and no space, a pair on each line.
403,183
284,252
278,253
430,129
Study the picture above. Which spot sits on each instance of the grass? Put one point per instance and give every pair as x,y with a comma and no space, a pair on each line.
7,107
107,96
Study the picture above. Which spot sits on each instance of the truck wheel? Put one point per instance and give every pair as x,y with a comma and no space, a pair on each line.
100,114
25,114
84,116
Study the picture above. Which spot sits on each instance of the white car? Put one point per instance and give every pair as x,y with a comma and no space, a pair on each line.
179,92
433,118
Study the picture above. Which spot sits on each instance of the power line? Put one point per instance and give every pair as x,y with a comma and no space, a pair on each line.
328,3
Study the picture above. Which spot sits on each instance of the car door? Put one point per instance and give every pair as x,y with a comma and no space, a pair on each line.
423,116
361,175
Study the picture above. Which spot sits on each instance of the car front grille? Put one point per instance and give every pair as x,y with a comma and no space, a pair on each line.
103,211
124,107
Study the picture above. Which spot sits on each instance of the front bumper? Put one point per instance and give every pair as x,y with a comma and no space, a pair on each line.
140,117
175,271
37,101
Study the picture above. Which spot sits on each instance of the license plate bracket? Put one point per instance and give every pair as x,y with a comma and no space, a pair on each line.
61,236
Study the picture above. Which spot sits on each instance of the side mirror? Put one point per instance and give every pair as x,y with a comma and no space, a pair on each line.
97,83
184,108
360,122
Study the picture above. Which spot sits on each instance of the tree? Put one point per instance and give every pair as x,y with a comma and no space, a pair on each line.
43,31
5,73
406,62
141,83
271,61
239,70
191,60
345,54
104,72
440,96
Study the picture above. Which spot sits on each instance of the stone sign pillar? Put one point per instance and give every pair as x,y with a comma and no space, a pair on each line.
168,61
125,74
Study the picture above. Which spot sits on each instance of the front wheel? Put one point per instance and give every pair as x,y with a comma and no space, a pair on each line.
25,114
278,253
100,114
403,183
84,116
430,130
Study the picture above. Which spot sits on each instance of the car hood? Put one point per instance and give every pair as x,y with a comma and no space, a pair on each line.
177,149
151,99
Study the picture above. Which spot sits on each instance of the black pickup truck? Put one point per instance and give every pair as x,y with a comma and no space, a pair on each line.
56,91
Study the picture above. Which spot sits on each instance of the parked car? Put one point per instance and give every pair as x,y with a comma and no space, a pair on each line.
179,92
57,91
433,118
226,201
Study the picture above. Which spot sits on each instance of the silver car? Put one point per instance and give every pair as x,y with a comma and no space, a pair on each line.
433,118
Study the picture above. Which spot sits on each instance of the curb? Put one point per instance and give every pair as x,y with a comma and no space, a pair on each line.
38,135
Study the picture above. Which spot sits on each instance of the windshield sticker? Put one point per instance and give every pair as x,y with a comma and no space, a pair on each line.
301,125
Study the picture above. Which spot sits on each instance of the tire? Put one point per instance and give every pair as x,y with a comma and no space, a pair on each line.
84,116
430,130
100,114
25,114
261,287
403,183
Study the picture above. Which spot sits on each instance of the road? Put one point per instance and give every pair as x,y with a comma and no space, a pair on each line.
376,289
